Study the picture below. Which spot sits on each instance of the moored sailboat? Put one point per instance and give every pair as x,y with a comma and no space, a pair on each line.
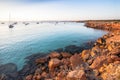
10,25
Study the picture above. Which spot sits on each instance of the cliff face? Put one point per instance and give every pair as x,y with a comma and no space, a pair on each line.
102,62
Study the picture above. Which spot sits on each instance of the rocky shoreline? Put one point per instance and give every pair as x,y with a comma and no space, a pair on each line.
101,62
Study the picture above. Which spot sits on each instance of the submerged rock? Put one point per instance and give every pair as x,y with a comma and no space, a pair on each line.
8,68
73,49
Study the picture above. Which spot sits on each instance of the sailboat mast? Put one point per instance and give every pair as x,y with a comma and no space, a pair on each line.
10,25
9,17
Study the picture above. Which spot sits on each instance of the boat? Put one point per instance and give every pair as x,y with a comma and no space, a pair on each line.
10,25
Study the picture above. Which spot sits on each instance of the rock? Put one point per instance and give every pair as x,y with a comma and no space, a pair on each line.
54,55
8,68
65,61
76,75
3,77
38,71
95,51
90,61
37,75
44,74
41,60
43,68
96,72
98,62
115,51
110,47
115,58
101,41
53,63
29,77
66,55
111,72
85,55
61,76
75,61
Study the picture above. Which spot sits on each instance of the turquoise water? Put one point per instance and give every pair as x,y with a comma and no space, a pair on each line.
24,40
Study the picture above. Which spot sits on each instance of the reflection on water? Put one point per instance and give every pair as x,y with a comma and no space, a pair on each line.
22,40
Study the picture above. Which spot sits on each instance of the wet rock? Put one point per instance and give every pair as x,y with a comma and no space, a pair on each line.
54,55
44,75
59,50
26,70
76,75
53,63
41,60
32,58
29,77
37,75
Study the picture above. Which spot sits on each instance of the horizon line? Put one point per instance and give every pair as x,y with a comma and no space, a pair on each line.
57,20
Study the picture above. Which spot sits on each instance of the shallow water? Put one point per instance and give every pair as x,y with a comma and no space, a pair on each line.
24,40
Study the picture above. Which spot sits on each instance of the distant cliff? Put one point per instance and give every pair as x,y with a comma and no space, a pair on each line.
111,26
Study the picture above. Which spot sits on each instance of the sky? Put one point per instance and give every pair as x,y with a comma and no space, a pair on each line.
36,10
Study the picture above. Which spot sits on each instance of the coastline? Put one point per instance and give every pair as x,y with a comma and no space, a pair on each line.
101,62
